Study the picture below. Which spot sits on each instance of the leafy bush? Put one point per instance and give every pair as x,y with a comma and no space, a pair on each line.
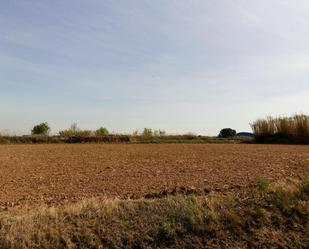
227,132
101,132
147,132
75,131
41,129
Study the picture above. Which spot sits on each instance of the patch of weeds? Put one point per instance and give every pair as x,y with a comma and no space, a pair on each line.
287,202
130,242
191,216
296,214
303,188
165,234
254,219
255,216
5,245
207,219
232,221
280,198
261,184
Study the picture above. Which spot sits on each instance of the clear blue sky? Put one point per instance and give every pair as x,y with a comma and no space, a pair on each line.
178,65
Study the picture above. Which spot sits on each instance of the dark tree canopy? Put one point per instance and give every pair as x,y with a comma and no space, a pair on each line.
227,132
41,129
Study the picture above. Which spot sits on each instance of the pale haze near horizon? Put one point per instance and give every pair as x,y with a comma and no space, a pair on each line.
181,66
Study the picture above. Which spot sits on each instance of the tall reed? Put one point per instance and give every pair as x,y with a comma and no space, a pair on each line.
295,127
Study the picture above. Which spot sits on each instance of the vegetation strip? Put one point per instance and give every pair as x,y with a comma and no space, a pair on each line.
284,130
280,130
275,216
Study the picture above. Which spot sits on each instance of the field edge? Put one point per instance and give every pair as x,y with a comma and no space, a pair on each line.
263,215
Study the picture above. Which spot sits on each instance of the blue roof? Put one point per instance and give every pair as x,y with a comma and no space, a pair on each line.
244,134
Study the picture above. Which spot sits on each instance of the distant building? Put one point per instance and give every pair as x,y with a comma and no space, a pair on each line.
244,134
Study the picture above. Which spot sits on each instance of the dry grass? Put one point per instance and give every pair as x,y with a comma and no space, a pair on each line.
248,218
294,128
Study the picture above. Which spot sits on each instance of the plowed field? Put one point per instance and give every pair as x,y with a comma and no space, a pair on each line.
57,173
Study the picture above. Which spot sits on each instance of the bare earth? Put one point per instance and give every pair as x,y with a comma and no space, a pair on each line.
57,173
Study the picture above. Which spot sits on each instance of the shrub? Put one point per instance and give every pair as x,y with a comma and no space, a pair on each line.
147,132
227,132
159,133
41,129
101,132
75,131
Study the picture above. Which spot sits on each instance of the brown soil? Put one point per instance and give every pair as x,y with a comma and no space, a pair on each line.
59,173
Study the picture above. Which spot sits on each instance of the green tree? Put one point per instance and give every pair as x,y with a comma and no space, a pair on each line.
41,129
102,131
147,132
227,132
